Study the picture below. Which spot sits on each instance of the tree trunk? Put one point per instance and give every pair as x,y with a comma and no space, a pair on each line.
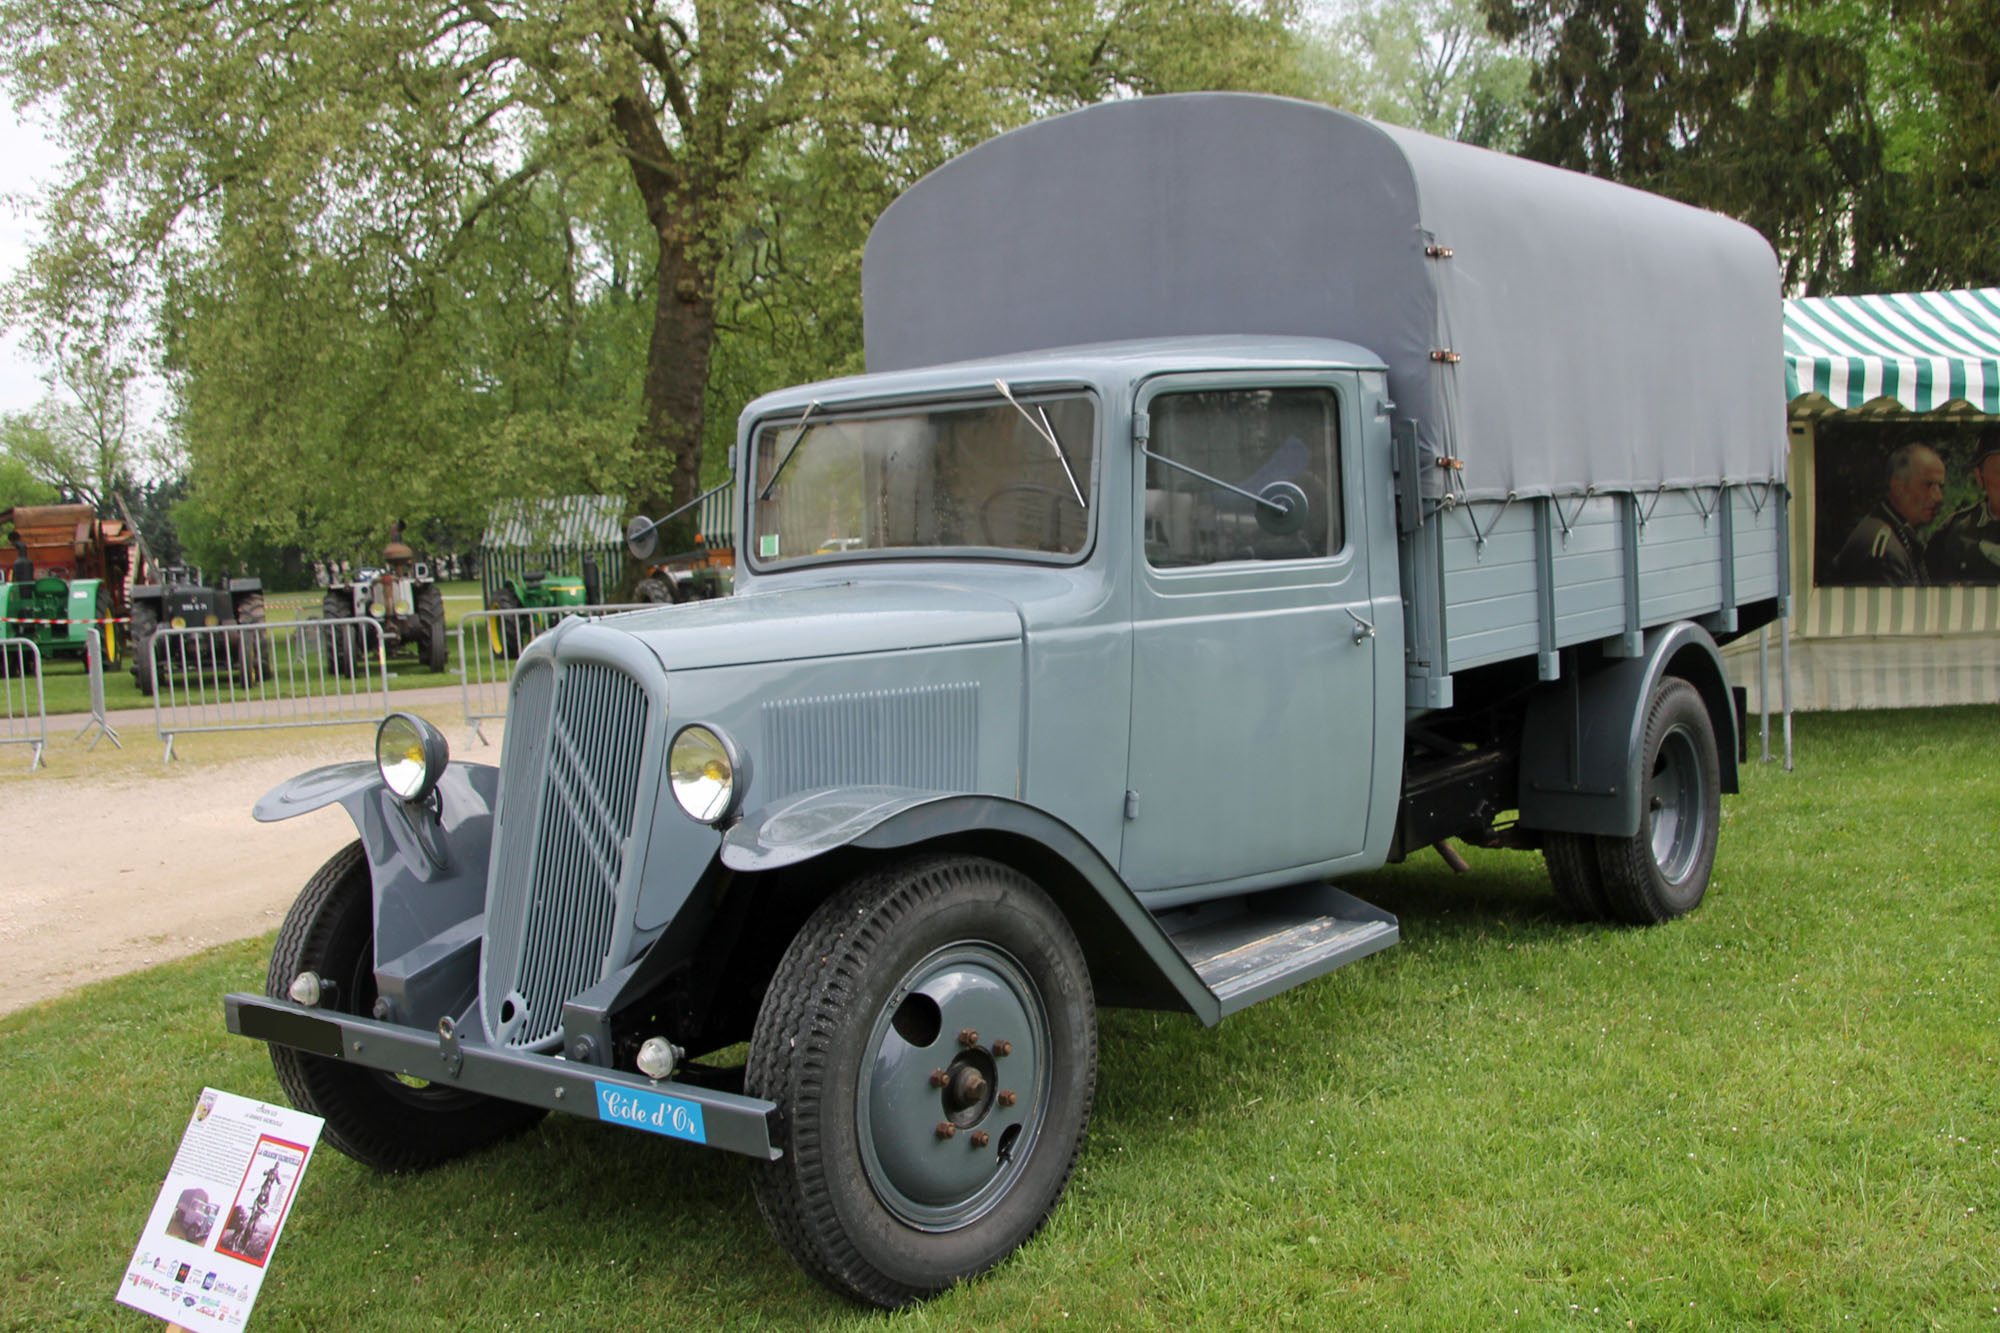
680,202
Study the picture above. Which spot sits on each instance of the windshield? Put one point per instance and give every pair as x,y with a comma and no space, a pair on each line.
954,476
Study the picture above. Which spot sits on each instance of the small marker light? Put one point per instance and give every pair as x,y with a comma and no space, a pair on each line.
305,989
657,1057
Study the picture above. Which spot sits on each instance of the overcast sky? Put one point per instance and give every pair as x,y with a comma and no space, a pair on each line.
27,158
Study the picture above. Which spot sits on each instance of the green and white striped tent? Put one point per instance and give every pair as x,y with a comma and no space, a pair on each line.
1923,349
1888,359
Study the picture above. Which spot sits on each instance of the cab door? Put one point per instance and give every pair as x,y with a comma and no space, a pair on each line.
1253,677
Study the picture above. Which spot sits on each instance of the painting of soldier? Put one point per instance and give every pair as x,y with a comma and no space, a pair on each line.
1907,502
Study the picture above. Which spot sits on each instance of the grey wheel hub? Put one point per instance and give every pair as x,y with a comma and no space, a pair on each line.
955,1087
1677,808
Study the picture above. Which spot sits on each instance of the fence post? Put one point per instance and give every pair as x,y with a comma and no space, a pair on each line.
14,663
94,655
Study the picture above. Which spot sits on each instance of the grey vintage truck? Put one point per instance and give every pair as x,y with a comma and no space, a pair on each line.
1241,495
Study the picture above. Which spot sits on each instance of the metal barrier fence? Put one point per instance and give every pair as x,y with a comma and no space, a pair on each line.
293,673
100,720
488,643
21,663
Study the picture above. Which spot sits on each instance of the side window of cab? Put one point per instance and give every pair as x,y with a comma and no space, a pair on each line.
1260,441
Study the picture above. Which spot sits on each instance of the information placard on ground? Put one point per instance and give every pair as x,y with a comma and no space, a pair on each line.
216,1223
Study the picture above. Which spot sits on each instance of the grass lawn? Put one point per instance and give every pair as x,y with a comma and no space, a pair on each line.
1782,1111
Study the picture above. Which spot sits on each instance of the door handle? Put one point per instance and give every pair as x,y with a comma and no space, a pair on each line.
1363,629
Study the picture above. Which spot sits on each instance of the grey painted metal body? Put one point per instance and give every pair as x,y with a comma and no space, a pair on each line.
1182,756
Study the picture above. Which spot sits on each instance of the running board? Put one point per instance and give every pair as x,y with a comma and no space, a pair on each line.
1251,948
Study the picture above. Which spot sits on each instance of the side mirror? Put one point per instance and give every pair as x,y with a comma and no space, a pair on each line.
1284,510
642,538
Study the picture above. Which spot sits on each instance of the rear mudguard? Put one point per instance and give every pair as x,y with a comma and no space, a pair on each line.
1132,962
428,867
1580,742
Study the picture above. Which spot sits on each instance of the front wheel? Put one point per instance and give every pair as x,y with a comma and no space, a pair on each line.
1662,871
377,1119
931,1039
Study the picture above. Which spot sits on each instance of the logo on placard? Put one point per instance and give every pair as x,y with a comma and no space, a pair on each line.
654,1112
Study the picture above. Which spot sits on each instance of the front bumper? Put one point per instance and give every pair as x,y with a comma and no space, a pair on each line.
725,1120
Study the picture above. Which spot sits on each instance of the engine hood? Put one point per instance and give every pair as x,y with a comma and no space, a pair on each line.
826,620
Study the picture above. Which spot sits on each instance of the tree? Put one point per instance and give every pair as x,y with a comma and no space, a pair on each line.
81,442
1724,104
403,245
1428,64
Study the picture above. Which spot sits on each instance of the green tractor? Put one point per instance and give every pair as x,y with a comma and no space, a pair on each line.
536,590
68,575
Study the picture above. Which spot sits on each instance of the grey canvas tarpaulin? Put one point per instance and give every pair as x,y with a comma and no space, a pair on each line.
1607,339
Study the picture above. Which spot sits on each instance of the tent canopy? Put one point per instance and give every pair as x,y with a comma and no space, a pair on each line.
1923,349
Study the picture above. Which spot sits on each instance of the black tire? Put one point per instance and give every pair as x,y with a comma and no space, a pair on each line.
342,643
244,652
144,622
870,1198
1579,884
377,1119
250,611
504,632
1662,871
654,590
429,601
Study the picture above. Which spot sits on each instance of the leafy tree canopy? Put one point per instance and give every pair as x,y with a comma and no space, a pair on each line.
400,259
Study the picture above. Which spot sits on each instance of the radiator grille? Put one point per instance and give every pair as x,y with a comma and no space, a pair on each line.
569,795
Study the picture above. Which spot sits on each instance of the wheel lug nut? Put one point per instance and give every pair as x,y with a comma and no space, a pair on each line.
1003,1047
967,1037
979,1139
946,1129
939,1078
1006,1097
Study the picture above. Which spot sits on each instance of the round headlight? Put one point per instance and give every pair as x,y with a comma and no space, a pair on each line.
412,755
707,774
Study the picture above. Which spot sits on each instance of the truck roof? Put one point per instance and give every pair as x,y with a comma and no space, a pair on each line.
1606,338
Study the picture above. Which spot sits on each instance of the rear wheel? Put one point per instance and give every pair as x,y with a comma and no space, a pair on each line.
144,622
430,625
342,642
653,590
250,611
931,1041
377,1119
1662,871
504,631
1579,884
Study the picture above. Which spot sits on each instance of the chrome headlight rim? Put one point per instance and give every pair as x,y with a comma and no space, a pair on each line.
411,755
702,796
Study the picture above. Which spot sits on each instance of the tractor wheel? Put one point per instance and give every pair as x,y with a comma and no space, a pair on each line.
245,650
145,620
930,1039
250,611
343,643
378,1119
505,630
429,601
654,590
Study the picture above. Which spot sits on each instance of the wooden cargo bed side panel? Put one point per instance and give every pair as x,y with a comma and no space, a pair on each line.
1491,588
1589,569
1680,557
1757,516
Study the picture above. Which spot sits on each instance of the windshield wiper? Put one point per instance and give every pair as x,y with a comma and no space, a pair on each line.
1040,421
797,440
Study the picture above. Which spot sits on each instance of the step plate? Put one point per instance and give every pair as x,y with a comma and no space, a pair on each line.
1253,948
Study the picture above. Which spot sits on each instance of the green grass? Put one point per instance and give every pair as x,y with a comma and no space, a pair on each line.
1782,1111
66,680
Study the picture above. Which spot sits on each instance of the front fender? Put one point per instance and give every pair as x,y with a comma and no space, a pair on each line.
1132,961
427,866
